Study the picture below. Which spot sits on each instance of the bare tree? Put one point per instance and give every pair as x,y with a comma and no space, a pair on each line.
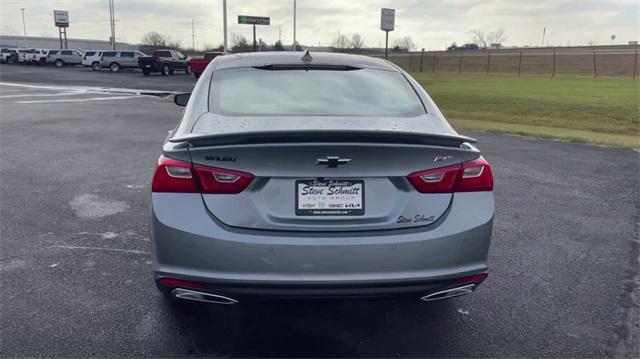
479,38
239,43
357,42
155,39
496,37
404,44
341,42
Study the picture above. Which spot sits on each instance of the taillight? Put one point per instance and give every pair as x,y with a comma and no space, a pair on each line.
218,180
181,177
469,176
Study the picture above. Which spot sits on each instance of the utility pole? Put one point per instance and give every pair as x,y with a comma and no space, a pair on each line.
113,24
280,34
24,28
193,36
294,25
544,32
224,21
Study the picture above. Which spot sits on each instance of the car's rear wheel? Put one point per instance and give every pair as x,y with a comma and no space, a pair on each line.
96,66
187,70
43,61
166,70
114,67
59,63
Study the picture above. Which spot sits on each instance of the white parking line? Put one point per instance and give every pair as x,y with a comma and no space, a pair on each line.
75,93
84,99
88,88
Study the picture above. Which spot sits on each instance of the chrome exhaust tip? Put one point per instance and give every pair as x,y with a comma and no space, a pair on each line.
450,293
189,294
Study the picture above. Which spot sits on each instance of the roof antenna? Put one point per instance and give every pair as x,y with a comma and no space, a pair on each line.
306,58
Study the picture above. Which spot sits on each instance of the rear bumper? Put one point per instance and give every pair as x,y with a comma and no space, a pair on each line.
189,244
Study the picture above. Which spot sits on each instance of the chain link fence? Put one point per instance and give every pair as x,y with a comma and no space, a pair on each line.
596,63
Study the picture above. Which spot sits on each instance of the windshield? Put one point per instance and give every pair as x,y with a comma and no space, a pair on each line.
320,92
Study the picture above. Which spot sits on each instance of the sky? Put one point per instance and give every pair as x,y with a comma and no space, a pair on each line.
432,24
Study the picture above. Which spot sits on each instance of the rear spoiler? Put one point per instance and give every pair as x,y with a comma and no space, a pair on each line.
197,140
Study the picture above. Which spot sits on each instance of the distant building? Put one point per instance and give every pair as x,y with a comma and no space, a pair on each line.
495,46
633,43
54,43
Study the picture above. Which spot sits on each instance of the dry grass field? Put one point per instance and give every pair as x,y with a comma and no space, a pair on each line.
602,110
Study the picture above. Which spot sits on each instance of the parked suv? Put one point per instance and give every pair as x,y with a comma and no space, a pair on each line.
165,62
8,56
116,60
92,58
64,57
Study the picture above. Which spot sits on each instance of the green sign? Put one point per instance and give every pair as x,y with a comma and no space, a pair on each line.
253,20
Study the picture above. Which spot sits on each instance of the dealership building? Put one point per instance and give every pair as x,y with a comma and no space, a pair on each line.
54,43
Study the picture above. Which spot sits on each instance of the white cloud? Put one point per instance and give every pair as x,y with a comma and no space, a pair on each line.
431,24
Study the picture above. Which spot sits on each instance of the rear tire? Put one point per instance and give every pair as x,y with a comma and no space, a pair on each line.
96,66
59,63
114,67
166,70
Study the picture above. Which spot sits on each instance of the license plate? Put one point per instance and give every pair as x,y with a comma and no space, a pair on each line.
330,197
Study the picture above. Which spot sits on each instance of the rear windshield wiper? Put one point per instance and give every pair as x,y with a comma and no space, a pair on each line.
307,67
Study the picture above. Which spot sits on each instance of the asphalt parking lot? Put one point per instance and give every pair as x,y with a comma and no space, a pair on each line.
75,273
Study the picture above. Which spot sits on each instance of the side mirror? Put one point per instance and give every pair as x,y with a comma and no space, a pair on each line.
181,99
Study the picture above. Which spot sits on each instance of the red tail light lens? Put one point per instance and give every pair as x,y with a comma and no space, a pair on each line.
475,176
469,176
218,180
181,177
439,180
174,176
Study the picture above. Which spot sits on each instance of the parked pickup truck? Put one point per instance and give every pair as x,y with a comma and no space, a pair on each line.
165,62
198,65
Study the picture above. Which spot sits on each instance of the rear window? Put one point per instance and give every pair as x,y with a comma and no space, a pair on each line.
126,54
162,53
321,92
53,52
109,54
89,53
66,52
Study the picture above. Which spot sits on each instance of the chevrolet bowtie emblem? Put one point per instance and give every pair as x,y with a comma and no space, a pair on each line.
333,161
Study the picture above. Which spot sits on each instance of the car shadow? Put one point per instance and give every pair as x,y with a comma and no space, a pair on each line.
314,328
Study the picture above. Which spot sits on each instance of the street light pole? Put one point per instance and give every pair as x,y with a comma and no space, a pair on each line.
294,25
24,28
224,21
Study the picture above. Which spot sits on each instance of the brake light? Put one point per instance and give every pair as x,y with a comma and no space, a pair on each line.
469,176
218,180
181,177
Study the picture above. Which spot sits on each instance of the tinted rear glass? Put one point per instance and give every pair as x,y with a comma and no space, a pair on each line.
162,53
109,54
66,53
53,52
359,92
126,54
89,53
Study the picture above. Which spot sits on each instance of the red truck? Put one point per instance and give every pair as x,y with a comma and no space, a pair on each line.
198,65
